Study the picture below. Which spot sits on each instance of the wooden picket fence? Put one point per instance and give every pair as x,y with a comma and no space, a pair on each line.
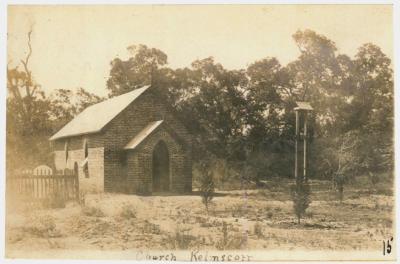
42,185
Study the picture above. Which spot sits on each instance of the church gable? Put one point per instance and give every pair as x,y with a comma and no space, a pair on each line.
137,116
121,151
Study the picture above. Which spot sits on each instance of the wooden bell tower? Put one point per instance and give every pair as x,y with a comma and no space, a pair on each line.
302,110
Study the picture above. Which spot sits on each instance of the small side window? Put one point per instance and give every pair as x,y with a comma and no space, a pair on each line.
86,148
86,170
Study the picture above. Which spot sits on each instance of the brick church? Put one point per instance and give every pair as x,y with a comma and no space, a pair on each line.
132,143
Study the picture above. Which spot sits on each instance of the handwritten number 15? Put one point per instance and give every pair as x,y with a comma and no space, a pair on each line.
387,247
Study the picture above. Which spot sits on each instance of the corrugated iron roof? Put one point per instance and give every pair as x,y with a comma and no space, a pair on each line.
303,106
95,117
142,135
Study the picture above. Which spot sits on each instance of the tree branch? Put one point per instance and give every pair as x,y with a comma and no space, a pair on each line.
28,81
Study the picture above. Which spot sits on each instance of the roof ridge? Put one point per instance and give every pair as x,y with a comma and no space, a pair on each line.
118,96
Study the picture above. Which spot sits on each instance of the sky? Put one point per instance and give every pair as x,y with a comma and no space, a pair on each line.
73,45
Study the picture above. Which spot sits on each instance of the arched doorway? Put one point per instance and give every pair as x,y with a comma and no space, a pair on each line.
160,167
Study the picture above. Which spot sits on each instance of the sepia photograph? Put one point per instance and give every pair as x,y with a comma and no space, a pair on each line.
206,133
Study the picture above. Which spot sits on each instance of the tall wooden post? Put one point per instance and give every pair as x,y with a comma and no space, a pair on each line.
305,148
302,109
296,147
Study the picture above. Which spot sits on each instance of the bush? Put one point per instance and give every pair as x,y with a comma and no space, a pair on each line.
374,178
181,239
206,186
42,226
258,230
238,210
301,198
339,183
150,228
269,215
92,211
127,212
228,241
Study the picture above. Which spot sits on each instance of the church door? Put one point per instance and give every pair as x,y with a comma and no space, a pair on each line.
160,167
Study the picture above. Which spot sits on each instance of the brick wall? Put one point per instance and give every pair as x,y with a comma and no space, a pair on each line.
116,170
123,128
76,154
140,165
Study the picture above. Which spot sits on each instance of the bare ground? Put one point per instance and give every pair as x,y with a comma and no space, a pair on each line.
260,219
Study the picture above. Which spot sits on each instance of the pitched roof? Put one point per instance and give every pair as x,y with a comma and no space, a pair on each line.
95,117
303,106
142,135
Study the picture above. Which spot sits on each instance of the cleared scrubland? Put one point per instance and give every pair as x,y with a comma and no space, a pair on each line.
256,219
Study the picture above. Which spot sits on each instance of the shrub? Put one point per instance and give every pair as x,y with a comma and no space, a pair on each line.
228,241
269,215
150,228
224,241
258,230
301,198
339,180
42,226
374,178
237,241
92,211
127,212
181,239
238,210
206,186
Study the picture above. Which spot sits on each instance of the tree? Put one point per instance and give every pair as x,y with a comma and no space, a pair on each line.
320,76
62,109
32,117
65,104
346,156
269,97
27,116
265,92
142,68
315,69
85,99
218,108
245,117
373,99
349,96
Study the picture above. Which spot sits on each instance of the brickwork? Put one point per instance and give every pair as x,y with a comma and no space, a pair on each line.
95,180
113,169
140,173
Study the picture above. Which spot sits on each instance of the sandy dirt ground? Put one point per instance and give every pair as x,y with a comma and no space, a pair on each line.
259,219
